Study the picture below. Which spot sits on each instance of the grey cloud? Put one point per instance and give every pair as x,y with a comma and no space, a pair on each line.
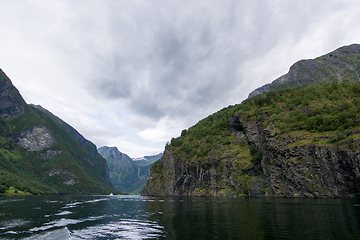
192,57
172,50
147,106
192,65
113,88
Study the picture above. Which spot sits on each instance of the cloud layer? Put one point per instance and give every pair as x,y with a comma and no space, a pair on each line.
135,73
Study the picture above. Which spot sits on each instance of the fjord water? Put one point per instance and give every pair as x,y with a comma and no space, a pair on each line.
136,217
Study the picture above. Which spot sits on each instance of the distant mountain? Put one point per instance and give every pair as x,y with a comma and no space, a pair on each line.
337,66
41,154
127,175
146,160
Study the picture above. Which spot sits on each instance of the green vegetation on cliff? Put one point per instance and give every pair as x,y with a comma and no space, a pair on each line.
329,113
71,171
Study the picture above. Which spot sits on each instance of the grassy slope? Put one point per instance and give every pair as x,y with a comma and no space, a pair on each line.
91,164
25,170
326,114
81,148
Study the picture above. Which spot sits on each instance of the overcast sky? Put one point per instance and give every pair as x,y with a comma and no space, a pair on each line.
133,74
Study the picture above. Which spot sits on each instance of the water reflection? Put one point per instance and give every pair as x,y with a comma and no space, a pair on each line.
243,218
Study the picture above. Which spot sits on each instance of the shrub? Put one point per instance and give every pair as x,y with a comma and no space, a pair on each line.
256,154
183,133
338,137
157,167
2,189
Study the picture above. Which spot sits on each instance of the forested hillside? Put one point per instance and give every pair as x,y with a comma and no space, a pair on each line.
299,142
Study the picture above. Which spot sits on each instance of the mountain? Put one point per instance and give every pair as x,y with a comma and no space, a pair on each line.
292,142
41,154
146,160
337,66
127,175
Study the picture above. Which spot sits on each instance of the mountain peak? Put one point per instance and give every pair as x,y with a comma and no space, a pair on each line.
11,102
337,66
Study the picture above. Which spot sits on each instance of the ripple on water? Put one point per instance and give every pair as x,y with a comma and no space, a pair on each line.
97,200
11,200
72,205
63,222
5,225
124,229
59,234
63,213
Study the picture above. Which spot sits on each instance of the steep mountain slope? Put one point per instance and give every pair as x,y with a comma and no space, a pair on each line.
125,174
337,66
96,159
38,156
301,142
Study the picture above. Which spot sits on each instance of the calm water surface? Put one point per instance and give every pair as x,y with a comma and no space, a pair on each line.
136,217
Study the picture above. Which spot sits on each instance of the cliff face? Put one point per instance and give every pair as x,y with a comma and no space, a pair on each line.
296,137
11,103
285,170
339,65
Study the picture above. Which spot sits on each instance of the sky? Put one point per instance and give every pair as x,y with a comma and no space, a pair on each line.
134,74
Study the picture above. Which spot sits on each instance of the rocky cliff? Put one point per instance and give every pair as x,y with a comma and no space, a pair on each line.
11,102
302,142
289,167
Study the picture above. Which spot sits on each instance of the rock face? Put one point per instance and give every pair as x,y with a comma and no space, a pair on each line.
36,138
340,65
310,170
11,103
49,154
69,178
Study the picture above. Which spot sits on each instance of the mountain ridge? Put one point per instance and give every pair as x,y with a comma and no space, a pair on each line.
37,154
336,66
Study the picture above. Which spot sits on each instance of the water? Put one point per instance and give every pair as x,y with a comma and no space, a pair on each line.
136,217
